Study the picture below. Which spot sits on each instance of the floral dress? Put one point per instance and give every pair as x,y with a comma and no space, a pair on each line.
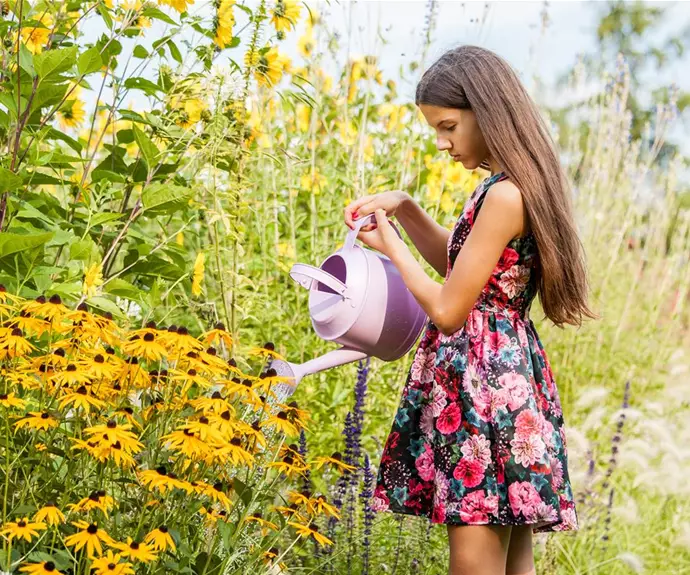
478,435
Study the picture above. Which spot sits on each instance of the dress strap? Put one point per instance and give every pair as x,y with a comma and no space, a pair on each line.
490,181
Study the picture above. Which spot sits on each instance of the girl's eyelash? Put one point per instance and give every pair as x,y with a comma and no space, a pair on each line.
451,128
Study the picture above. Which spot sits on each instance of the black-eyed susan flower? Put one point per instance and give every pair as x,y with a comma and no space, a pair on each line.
29,323
81,398
211,515
252,432
216,493
163,480
231,451
42,568
128,413
291,512
186,442
268,350
71,375
96,500
335,460
37,420
89,535
288,466
134,550
281,423
311,530
109,564
144,346
98,367
11,400
179,341
49,514
318,504
13,344
112,431
269,556
22,529
211,362
51,309
285,15
217,334
241,388
214,404
132,374
264,523
160,539
6,296
203,429
189,378
269,378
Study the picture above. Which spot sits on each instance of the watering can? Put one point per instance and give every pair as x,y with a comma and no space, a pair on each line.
357,298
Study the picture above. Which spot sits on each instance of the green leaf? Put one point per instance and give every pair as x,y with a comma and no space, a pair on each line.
147,147
104,304
175,52
48,95
54,61
13,243
142,84
122,288
140,52
26,60
82,249
103,11
9,180
152,12
163,198
40,179
156,267
90,61
104,217
53,134
98,175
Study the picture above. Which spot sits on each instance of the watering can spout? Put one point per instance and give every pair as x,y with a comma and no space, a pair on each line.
296,372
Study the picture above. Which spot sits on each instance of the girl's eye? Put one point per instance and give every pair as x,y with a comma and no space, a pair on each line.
451,128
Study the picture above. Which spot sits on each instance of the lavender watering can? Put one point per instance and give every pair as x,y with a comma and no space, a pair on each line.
358,299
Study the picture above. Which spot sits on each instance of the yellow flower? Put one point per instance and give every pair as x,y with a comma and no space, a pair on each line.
179,5
334,460
198,274
225,20
42,568
146,347
10,400
306,531
134,550
191,113
81,398
306,43
89,535
97,500
109,564
22,529
37,420
50,514
285,14
163,481
314,182
71,114
36,38
13,344
93,277
160,539
269,66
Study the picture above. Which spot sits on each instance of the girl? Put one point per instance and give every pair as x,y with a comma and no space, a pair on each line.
478,442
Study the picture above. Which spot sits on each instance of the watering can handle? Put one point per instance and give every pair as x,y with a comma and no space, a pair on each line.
304,274
352,234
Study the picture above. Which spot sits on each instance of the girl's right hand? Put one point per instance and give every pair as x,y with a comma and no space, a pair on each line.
388,201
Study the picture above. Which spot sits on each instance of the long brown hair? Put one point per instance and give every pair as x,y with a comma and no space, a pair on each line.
470,77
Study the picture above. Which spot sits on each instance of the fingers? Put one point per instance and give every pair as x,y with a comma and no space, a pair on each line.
355,208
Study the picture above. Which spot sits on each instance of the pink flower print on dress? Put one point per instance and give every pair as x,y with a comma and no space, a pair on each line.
528,423
423,365
557,472
469,471
425,464
514,281
523,498
508,259
527,450
441,486
477,506
472,381
477,448
426,422
499,401
437,399
482,404
499,341
449,420
518,389
545,512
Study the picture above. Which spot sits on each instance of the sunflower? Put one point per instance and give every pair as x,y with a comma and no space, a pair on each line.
49,514
37,420
134,550
36,38
307,530
71,114
269,65
160,539
10,400
179,5
42,568
285,14
22,529
109,564
223,23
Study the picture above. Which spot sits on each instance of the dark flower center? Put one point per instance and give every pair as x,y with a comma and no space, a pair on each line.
148,337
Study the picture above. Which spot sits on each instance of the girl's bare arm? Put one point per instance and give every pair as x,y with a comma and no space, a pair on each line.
429,237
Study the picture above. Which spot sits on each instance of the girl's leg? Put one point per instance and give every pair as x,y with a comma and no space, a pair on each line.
520,551
478,549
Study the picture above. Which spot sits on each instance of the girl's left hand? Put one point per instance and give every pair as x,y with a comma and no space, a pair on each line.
383,237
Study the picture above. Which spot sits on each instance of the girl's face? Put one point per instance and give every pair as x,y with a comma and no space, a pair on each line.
458,133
